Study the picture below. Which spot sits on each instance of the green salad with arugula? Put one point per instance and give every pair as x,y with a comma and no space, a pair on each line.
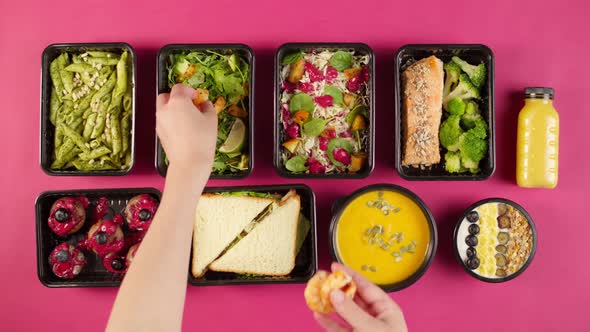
222,78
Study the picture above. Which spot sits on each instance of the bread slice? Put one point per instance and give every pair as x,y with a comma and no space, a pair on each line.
219,220
422,92
270,248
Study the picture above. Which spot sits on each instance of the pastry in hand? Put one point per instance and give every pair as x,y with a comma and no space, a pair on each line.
319,287
66,261
67,215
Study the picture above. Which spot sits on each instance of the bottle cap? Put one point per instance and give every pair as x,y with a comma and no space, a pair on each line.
538,93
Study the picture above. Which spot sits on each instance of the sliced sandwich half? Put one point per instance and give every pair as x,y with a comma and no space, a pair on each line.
270,248
219,220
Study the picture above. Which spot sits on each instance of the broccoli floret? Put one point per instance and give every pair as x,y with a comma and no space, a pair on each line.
453,162
468,120
477,74
480,128
450,133
473,148
464,90
468,164
471,108
452,72
456,106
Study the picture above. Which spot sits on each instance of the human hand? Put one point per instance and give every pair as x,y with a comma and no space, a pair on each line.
187,133
371,310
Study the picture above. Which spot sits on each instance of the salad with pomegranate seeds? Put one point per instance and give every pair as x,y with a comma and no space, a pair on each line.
325,111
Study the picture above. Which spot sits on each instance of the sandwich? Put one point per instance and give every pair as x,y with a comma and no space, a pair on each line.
219,220
422,97
265,245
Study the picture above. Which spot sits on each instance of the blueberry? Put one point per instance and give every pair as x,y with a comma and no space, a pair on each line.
62,256
101,237
471,240
144,215
472,263
117,264
473,216
62,215
473,229
471,252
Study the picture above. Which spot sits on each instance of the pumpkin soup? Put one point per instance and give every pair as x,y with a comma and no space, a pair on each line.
384,235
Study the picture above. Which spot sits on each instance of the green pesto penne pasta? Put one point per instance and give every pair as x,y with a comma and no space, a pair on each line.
76,138
67,78
102,54
101,116
78,125
125,131
128,159
54,104
116,135
105,89
79,68
65,149
122,81
56,78
89,126
93,165
103,61
127,100
95,153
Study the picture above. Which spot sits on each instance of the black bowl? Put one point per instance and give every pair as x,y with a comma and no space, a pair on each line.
533,230
341,204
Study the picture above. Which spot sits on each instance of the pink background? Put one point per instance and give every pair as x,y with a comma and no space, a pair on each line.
535,43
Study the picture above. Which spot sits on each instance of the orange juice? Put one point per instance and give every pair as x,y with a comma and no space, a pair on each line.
537,144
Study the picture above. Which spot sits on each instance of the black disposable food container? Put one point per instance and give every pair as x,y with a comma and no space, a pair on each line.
93,274
306,264
343,202
48,130
162,81
462,219
473,54
279,134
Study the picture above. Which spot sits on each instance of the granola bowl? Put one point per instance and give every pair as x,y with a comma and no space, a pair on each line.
386,233
495,240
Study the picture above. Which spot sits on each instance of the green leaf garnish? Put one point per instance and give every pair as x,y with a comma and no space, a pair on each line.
289,59
341,60
297,164
301,101
314,127
336,94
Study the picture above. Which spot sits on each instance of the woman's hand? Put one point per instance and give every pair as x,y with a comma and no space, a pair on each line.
372,310
187,133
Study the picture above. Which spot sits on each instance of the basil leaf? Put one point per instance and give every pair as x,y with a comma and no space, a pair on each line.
301,101
341,60
297,164
314,127
338,143
336,94
359,109
289,59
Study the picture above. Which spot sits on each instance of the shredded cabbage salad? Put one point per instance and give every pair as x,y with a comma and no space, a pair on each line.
324,111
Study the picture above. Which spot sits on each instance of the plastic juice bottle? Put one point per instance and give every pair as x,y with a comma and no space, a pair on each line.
537,144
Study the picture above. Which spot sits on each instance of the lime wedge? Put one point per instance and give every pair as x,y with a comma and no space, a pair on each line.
235,139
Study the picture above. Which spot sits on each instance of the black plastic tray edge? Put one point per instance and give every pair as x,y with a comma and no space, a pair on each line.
533,230
72,283
159,151
276,125
341,202
492,122
313,233
44,120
